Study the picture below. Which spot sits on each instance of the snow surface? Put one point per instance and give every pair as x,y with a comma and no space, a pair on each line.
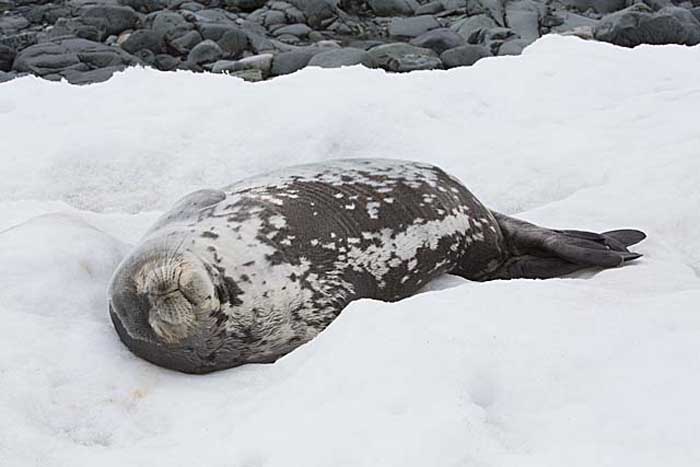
602,369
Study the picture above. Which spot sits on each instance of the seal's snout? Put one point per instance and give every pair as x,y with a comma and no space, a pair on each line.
180,292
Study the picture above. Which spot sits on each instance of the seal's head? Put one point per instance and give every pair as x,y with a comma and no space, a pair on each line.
164,304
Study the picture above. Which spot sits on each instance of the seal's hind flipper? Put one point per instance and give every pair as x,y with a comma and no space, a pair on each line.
539,253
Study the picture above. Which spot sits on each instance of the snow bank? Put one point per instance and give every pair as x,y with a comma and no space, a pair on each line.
599,370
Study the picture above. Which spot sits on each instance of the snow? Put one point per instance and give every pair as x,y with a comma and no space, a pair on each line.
598,369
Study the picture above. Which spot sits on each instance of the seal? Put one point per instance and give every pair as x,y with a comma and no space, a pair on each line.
248,273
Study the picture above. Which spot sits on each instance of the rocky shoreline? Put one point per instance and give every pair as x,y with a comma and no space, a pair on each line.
86,41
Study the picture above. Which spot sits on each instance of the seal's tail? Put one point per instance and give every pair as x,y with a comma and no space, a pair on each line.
539,253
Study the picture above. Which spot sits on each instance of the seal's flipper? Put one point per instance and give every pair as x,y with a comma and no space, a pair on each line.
539,253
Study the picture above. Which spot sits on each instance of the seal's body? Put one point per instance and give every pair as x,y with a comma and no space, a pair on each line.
248,273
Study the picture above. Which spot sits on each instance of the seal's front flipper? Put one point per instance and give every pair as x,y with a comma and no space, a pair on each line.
539,253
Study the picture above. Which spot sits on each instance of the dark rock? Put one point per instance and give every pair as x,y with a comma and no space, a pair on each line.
430,8
146,56
234,42
637,25
5,77
439,40
12,24
524,17
405,57
260,44
465,55
143,39
289,62
7,56
48,14
599,6
192,6
186,42
145,6
215,31
696,12
513,47
205,52
92,29
117,18
166,62
19,41
169,24
245,5
393,7
299,30
348,56
316,11
274,17
70,54
471,27
92,76
413,26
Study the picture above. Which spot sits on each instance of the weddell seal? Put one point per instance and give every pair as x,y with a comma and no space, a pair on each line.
248,273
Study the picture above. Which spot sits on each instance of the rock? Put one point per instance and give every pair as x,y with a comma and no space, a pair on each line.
19,41
316,11
70,54
245,5
234,42
289,62
471,27
116,18
696,12
7,56
93,29
92,76
262,62
412,27
637,25
393,7
145,6
12,24
523,17
5,77
251,75
404,57
215,31
205,52
186,42
465,55
169,24
48,14
513,47
439,40
572,21
298,30
274,17
166,62
143,39
347,56
192,6
599,6
260,44
431,8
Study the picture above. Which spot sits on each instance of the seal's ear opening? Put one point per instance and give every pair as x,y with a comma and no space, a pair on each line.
539,253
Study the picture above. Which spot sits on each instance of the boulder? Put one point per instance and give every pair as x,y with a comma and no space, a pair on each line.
7,56
168,24
70,54
439,40
289,62
402,57
143,39
347,56
244,5
116,18
471,27
93,29
431,8
599,6
393,7
186,42
413,26
638,25
316,11
465,55
234,42
523,17
145,6
513,47
166,62
205,52
92,76
298,30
